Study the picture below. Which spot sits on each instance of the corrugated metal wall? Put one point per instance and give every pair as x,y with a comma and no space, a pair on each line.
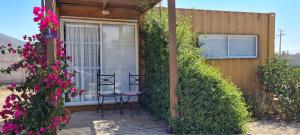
241,71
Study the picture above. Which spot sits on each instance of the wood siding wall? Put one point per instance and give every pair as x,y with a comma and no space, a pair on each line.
241,71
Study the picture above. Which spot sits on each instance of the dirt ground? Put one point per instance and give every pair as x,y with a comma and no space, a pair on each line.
3,93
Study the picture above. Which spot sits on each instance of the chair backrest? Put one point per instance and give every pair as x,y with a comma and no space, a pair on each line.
137,81
106,81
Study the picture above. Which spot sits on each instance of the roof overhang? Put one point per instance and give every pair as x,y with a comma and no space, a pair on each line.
141,5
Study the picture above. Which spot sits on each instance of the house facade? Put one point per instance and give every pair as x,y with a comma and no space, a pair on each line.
103,35
237,43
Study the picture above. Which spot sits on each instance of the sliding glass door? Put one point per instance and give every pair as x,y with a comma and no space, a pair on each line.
119,53
106,47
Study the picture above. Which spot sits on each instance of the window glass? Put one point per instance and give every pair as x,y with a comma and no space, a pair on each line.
228,46
242,46
214,46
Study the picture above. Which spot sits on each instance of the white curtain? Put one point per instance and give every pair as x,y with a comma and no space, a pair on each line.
83,45
119,53
116,55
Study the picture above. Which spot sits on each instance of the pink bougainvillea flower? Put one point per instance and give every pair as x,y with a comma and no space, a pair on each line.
36,10
25,37
17,114
13,97
36,88
36,19
55,121
58,93
43,130
12,85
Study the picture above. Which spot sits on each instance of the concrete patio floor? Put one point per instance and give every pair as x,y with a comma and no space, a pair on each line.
130,123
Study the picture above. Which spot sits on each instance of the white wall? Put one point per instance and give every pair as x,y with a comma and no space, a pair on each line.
5,61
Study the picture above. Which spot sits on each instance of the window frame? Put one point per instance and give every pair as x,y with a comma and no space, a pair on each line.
228,46
100,22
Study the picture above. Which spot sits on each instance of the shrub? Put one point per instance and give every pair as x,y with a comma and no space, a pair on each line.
36,107
279,79
260,104
155,54
208,103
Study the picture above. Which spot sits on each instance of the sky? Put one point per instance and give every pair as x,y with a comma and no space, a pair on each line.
16,16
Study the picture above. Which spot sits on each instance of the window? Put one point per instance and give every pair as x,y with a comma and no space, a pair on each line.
228,46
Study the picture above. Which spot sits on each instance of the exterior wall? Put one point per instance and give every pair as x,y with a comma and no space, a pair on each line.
241,71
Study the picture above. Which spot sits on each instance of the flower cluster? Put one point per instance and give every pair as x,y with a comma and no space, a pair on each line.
37,107
47,20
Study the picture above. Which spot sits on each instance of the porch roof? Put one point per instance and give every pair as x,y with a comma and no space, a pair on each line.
140,5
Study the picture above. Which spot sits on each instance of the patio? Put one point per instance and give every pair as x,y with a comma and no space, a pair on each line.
91,123
130,123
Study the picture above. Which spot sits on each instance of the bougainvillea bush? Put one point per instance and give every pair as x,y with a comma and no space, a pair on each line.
37,107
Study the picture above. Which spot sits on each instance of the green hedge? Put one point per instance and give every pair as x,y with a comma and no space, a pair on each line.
208,104
155,53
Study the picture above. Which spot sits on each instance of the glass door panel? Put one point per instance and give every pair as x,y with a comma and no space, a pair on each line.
119,52
82,42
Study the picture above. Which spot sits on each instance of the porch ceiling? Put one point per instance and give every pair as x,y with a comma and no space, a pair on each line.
141,5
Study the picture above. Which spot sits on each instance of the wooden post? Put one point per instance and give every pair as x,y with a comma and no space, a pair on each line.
172,57
51,5
51,43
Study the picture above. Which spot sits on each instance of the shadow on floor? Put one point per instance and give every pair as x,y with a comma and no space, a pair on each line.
130,123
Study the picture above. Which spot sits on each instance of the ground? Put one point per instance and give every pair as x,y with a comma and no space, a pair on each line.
90,123
130,123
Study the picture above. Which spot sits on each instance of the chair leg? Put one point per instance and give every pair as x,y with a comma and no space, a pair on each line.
126,103
139,104
130,107
120,106
102,106
98,98
117,103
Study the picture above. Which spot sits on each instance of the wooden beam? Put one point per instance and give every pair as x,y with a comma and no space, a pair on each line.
104,4
42,3
172,57
131,4
95,12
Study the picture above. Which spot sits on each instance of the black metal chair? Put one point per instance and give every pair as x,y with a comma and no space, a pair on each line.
106,88
136,88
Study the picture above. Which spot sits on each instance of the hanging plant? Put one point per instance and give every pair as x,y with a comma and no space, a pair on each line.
37,107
